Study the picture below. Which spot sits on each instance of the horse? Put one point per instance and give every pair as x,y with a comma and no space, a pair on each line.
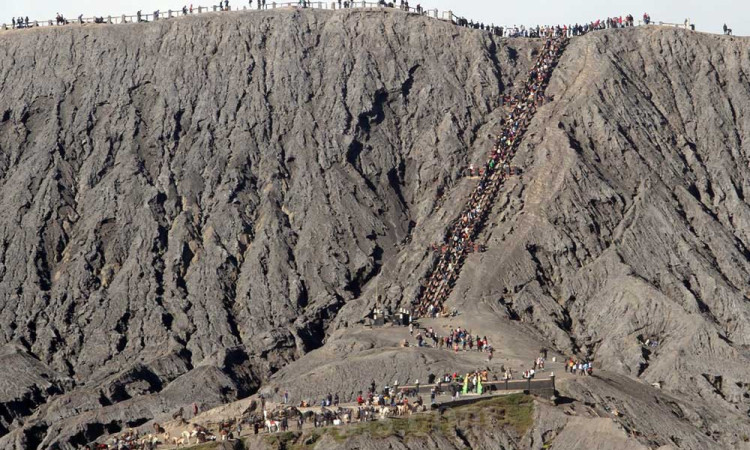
385,411
272,425
186,435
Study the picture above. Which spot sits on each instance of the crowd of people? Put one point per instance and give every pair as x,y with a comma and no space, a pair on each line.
223,5
579,367
459,240
458,339
514,31
395,394
559,30
370,404
20,22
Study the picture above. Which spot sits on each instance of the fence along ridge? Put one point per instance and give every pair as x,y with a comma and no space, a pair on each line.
446,16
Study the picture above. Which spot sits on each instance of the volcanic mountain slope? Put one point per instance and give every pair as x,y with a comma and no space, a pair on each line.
188,203
192,204
630,223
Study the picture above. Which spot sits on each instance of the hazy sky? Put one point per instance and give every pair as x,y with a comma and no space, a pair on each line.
708,15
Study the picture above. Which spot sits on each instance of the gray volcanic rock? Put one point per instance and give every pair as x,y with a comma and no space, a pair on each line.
193,204
190,202
629,223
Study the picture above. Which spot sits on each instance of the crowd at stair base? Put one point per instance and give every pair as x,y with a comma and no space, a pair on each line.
459,241
545,30
456,339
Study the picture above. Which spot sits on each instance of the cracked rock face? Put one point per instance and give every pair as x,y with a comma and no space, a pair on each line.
631,223
190,205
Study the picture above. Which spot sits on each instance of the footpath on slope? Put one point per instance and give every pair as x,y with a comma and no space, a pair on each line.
238,417
458,242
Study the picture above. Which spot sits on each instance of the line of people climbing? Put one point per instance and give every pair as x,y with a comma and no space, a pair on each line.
459,240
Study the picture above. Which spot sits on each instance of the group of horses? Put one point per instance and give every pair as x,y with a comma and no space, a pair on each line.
338,416
271,421
131,440
196,434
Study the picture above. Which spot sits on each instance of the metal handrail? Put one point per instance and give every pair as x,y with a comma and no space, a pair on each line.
173,14
447,16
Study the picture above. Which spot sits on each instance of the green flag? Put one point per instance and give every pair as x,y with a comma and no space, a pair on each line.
466,385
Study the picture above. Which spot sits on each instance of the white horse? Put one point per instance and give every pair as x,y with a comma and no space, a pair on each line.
186,435
272,426
385,411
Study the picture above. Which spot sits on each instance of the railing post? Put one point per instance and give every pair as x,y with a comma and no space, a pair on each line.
273,5
169,14
333,6
36,24
5,27
123,19
552,377
506,384
528,384
109,20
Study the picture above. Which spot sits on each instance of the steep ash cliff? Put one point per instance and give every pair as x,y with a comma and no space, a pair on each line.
191,205
190,202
